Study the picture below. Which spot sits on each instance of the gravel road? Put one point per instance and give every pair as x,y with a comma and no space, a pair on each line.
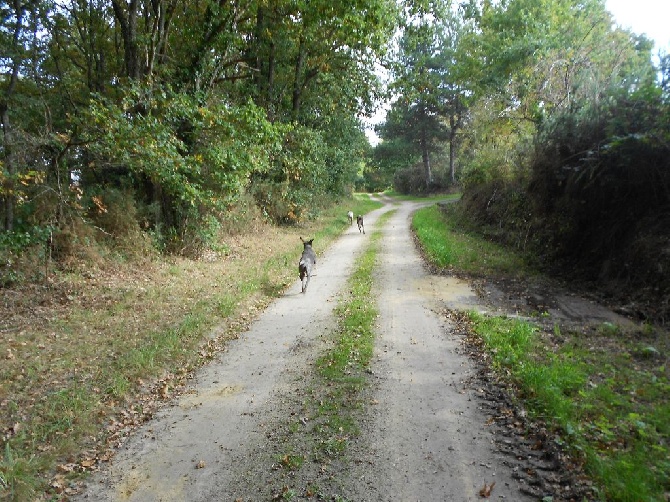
425,436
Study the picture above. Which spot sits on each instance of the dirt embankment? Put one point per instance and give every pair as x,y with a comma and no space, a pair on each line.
435,426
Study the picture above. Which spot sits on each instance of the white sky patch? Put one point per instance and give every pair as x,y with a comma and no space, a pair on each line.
651,17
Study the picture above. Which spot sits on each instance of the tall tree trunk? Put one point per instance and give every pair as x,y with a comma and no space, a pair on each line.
8,185
158,34
7,133
126,15
452,146
425,156
423,142
297,80
272,66
264,78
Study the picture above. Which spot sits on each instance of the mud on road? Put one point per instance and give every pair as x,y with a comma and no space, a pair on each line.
436,427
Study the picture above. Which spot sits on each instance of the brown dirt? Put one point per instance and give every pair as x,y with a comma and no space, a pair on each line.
437,426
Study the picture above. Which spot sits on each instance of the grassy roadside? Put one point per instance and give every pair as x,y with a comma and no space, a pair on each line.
336,389
604,396
93,354
461,251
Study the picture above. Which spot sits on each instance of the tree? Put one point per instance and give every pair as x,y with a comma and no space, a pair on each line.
432,82
416,115
21,43
313,56
181,104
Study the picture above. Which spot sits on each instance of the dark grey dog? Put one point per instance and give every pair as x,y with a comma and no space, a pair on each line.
307,263
359,221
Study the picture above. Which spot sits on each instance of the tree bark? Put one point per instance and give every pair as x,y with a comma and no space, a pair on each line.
266,65
8,185
452,147
297,84
7,132
126,15
425,154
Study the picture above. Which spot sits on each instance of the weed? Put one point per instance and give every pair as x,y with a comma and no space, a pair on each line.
15,476
608,329
292,461
618,423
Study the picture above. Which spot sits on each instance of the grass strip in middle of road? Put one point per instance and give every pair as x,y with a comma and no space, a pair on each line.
336,392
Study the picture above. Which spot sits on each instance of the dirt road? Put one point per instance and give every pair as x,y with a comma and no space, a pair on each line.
425,436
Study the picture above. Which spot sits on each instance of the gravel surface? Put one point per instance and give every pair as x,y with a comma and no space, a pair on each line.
433,428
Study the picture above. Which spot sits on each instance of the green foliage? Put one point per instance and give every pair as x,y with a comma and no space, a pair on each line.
308,168
597,176
460,251
513,65
296,180
197,159
387,158
564,151
20,250
431,105
198,155
269,92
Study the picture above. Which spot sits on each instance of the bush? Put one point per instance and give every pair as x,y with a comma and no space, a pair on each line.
596,207
23,255
114,213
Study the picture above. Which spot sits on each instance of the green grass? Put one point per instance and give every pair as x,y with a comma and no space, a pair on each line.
605,395
447,247
603,405
548,382
341,374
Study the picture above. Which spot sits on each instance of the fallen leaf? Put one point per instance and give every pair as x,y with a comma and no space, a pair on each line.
57,486
66,468
486,490
87,463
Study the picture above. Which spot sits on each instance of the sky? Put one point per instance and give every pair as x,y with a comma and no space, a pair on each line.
651,17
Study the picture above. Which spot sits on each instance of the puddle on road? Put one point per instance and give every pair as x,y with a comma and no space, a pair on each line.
212,394
137,480
451,291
